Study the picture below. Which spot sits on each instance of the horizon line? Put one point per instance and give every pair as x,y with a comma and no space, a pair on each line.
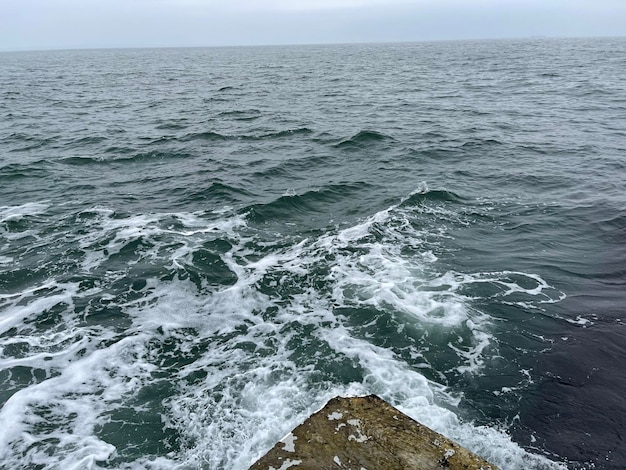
347,43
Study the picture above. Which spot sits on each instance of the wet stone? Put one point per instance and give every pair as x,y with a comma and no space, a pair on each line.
366,433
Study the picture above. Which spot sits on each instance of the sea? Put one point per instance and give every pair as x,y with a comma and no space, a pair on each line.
199,247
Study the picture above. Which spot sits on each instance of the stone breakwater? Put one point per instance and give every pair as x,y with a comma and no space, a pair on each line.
366,433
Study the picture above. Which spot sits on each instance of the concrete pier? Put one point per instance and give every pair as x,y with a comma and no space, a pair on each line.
366,433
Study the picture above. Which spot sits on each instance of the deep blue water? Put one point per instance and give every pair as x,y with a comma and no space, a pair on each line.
199,247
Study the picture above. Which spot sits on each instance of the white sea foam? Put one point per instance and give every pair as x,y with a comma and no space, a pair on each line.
580,321
24,305
64,411
238,381
14,213
120,232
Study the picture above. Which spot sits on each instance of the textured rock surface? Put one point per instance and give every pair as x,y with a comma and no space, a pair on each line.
366,433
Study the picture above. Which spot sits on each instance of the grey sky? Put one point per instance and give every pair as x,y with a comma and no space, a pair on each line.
53,24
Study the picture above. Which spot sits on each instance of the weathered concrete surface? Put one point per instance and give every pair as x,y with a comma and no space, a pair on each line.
366,433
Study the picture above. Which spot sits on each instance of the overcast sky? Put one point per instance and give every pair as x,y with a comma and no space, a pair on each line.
54,24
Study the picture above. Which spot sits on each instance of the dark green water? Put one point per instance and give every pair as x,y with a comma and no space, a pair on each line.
199,247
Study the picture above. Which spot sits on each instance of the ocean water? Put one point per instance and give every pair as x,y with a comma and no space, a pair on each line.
199,247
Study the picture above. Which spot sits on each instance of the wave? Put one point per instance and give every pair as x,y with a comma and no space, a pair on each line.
364,138
207,135
481,143
35,170
215,136
19,137
118,150
308,203
294,169
279,134
82,160
217,192
613,223
38,143
423,196
172,126
89,140
153,155
242,114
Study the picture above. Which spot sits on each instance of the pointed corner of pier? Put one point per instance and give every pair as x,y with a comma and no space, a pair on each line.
366,433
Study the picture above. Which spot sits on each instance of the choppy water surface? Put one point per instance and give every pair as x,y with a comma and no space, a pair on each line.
199,247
